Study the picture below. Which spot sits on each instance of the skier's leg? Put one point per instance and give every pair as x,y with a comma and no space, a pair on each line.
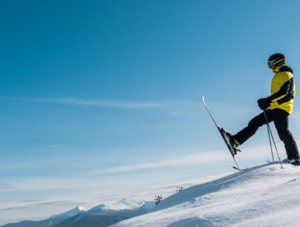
253,126
281,121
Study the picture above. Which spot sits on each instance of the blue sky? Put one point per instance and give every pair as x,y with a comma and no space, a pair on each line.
101,100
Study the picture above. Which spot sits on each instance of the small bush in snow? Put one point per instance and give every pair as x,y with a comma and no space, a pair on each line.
179,188
157,199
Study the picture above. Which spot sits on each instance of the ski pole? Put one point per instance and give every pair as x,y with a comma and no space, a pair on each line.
270,144
269,130
269,136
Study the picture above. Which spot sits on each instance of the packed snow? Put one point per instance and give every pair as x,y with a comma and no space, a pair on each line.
266,195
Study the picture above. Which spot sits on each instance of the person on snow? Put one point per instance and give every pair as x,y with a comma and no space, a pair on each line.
277,107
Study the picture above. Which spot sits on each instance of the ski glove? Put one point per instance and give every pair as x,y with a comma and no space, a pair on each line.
264,103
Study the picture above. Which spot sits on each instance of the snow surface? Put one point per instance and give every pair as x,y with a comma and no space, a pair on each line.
266,195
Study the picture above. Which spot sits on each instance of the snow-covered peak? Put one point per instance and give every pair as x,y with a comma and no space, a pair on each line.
124,204
99,209
72,212
129,204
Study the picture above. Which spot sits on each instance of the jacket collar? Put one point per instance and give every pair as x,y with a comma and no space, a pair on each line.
275,71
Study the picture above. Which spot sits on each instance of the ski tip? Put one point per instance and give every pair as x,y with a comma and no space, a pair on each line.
203,98
241,170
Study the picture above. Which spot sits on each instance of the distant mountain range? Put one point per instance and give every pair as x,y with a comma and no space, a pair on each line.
89,219
53,220
100,216
124,208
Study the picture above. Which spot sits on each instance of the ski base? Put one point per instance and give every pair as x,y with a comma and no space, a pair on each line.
236,168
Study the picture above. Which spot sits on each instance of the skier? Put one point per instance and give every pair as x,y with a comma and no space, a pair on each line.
277,107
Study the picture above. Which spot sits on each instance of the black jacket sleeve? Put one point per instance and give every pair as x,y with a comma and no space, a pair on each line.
286,89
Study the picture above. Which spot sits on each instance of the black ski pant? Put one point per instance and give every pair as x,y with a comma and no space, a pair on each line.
281,121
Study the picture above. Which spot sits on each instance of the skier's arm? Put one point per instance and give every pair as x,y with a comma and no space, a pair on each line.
285,89
285,99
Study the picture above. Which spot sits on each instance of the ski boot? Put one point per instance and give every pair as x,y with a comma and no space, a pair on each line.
231,142
295,162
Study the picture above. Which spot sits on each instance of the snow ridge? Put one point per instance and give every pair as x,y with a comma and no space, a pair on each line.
124,204
265,195
71,213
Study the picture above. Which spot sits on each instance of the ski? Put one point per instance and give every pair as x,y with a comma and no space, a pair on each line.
222,131
236,168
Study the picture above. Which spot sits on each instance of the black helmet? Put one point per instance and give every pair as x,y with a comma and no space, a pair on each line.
276,60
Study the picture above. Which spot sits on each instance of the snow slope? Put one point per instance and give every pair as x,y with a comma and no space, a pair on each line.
266,195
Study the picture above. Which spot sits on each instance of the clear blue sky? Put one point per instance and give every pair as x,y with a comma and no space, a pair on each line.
101,100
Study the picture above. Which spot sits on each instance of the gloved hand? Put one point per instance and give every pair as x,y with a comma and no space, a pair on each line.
264,103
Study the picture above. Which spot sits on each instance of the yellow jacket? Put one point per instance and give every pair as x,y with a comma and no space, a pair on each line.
283,89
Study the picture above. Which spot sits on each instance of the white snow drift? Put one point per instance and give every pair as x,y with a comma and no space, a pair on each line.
261,196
